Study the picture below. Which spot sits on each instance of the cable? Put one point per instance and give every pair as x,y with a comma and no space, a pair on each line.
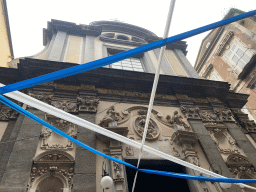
153,92
117,57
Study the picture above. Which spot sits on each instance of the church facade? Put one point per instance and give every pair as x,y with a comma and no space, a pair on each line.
194,119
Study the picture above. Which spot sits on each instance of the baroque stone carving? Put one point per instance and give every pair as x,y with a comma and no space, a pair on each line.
42,96
248,126
218,115
65,105
239,164
54,157
175,152
88,104
111,118
129,151
223,140
139,125
7,113
190,112
178,121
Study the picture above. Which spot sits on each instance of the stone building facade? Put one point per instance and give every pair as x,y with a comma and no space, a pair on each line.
6,50
228,54
194,119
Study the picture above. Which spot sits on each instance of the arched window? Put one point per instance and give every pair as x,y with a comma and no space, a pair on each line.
122,37
50,184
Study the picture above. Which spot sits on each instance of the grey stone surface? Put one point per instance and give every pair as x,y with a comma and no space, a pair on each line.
186,64
57,47
10,134
211,152
165,65
85,161
84,183
17,171
253,135
105,53
242,141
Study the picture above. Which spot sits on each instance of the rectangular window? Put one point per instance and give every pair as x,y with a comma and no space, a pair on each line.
130,64
238,56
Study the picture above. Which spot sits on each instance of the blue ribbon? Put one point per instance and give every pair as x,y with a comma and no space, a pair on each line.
170,174
118,57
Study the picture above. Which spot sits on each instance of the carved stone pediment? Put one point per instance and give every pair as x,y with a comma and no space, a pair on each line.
87,104
239,164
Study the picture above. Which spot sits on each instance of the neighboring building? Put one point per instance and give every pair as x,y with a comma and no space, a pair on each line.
194,119
228,54
6,51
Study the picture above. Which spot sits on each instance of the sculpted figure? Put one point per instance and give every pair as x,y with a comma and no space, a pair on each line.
111,116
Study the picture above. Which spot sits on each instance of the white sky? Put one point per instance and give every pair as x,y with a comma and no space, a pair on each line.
28,17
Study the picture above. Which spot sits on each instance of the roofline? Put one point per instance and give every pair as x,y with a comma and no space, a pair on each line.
8,27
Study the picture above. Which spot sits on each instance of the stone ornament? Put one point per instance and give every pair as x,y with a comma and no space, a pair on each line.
129,151
223,140
7,113
190,112
139,125
42,96
241,167
248,126
111,118
87,104
65,105
177,121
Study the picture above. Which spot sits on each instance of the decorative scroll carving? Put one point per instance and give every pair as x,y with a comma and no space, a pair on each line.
88,104
223,140
190,112
248,126
111,118
54,158
139,125
65,105
239,164
218,115
7,113
42,96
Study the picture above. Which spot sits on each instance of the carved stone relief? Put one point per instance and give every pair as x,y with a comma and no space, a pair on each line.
218,115
240,165
7,113
87,104
42,96
139,125
65,105
52,164
223,140
51,140
111,118
248,126
129,151
190,112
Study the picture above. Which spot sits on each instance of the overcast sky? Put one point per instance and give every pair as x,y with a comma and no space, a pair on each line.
28,17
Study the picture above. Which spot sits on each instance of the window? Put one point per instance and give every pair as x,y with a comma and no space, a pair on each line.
130,64
122,37
238,55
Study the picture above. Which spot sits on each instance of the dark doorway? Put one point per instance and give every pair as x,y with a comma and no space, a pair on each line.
152,183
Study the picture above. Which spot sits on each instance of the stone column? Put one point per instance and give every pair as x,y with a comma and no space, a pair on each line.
10,134
85,161
208,146
116,170
17,173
